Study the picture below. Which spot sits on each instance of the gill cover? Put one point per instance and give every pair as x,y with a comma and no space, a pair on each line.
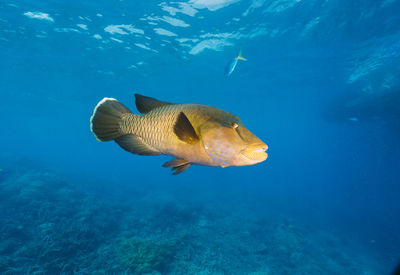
221,143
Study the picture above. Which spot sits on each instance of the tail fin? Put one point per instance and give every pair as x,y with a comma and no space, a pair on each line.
105,121
240,57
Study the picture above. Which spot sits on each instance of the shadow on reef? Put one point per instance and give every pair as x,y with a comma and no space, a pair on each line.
50,226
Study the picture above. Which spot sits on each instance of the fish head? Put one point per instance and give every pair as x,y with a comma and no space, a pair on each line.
230,143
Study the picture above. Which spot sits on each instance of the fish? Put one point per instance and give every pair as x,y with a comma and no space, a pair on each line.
232,64
353,119
191,133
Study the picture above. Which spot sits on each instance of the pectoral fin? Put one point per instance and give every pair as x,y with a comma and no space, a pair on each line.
184,130
178,165
145,104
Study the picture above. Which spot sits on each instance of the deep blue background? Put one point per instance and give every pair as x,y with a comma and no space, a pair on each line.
324,97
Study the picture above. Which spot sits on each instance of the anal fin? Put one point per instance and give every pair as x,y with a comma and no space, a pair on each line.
135,145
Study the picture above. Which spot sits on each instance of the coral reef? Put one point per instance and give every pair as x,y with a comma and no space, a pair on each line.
51,226
145,256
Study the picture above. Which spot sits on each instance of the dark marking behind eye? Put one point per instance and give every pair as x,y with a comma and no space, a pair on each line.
238,132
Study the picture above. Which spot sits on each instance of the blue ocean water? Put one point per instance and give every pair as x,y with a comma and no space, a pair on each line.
320,86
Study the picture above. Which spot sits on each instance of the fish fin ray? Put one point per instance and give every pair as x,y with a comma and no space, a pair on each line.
145,104
184,130
106,118
135,145
175,163
179,169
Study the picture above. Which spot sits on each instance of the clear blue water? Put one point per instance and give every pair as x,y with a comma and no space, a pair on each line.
320,87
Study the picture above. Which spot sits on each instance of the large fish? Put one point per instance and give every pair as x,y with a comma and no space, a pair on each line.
233,63
192,133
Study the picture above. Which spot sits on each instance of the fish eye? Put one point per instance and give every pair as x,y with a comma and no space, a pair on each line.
234,125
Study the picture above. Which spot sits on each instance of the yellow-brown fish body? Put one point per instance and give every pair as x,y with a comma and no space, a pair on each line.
193,133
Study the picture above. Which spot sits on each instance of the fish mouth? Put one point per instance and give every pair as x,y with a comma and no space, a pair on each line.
256,152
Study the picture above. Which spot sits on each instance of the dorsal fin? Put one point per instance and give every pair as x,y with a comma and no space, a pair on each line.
145,104
184,130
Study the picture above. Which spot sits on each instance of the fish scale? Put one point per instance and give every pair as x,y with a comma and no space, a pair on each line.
155,127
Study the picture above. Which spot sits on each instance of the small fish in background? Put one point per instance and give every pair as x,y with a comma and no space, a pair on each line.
232,65
353,119
192,133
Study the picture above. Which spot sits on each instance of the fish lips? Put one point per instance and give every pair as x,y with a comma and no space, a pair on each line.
255,152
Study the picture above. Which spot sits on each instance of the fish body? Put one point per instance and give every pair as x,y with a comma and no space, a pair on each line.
233,63
192,133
